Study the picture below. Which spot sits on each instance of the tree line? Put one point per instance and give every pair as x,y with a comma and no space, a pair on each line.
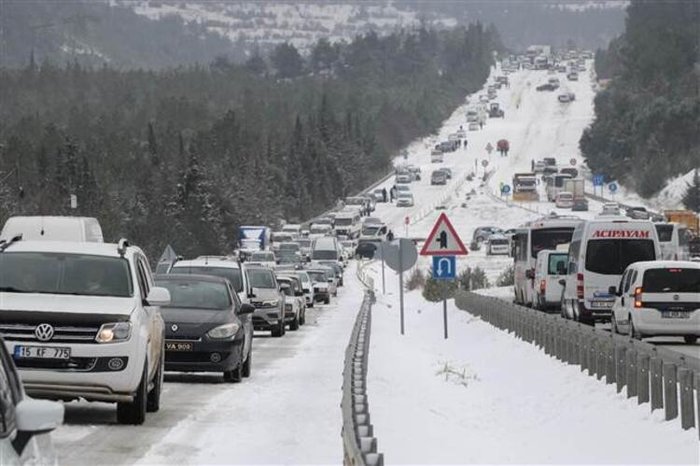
183,156
647,120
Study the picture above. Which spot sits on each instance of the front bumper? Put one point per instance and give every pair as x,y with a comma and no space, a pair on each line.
267,318
206,356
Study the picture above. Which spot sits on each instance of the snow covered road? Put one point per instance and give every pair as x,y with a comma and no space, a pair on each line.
288,411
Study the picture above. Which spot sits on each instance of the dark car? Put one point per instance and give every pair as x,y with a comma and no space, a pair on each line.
336,267
366,248
569,171
207,328
580,205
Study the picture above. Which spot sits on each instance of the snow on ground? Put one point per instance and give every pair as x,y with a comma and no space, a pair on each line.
483,396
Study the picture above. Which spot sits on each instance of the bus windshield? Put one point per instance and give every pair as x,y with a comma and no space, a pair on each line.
549,238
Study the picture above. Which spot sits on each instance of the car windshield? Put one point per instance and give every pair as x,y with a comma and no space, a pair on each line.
317,276
197,294
554,261
289,247
664,231
612,256
232,274
260,278
262,257
324,254
549,238
304,243
370,230
319,229
60,273
343,222
280,237
403,188
671,280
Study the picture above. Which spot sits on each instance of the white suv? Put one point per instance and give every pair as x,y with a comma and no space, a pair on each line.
82,320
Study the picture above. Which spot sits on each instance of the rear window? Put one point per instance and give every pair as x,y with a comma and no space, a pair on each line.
665,232
197,294
554,261
260,278
320,254
550,239
611,256
233,275
671,280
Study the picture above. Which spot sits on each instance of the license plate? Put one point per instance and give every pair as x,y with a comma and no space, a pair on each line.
675,315
42,352
602,304
178,346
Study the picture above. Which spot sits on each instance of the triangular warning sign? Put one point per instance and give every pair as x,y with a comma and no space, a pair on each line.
443,240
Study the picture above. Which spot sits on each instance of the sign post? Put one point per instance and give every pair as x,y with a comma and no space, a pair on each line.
612,187
400,255
444,245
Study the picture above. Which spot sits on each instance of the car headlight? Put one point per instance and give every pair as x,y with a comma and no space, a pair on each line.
224,331
113,332
271,303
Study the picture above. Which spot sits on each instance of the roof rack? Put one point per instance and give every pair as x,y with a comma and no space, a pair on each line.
122,245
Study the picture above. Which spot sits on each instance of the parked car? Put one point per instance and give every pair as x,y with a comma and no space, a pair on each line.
438,177
658,298
564,200
82,320
550,268
580,205
25,423
207,328
269,302
294,303
405,199
611,208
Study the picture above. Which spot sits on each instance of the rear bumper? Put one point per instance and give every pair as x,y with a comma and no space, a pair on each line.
596,314
227,355
650,322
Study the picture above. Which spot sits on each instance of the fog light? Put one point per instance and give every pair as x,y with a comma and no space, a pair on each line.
215,357
116,364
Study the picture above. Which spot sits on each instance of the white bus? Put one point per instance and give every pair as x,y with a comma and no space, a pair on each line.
533,237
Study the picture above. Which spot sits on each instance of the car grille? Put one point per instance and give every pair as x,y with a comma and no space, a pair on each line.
72,364
62,334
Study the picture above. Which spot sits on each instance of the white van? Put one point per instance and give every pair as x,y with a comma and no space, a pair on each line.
40,228
673,241
658,298
326,249
550,267
348,223
599,253
293,229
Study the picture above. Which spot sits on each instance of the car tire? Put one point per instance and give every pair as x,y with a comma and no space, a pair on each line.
248,363
134,412
614,329
690,339
276,332
235,375
302,319
295,324
633,332
327,300
153,402
312,304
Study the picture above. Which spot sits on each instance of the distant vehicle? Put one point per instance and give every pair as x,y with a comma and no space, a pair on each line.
326,248
319,229
222,325
293,229
278,237
57,228
658,298
220,266
405,200
566,97
269,302
538,166
637,213
550,268
673,241
366,248
611,208
569,171
322,283
497,244
436,157
378,195
547,87
599,253
550,161
371,230
265,258
348,223
555,184
438,177
483,98
474,126
495,111
580,205
447,171
525,187
402,188
572,76
294,303
686,217
403,178
564,200
482,234
349,248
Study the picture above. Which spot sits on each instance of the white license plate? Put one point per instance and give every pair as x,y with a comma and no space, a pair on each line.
675,315
42,352
602,304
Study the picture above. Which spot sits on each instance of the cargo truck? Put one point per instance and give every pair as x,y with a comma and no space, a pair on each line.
525,187
685,217
253,238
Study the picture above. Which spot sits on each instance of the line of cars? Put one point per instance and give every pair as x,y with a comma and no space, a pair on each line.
85,319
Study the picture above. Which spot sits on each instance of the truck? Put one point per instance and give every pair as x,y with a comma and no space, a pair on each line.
253,238
576,187
525,187
685,217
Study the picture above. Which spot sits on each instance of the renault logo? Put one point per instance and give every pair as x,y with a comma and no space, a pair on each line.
675,297
174,327
43,332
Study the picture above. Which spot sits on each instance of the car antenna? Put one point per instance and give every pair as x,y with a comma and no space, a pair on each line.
4,244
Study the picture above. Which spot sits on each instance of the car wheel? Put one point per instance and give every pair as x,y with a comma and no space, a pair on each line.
295,324
134,412
302,320
153,403
248,364
311,304
634,333
327,300
613,325
234,376
690,339
276,332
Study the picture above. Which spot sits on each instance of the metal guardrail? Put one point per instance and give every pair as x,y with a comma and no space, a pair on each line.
359,442
667,379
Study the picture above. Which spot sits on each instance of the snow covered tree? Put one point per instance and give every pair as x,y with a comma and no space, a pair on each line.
691,198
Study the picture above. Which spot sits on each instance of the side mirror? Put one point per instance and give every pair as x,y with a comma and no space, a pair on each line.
612,290
246,309
34,417
529,274
158,296
562,282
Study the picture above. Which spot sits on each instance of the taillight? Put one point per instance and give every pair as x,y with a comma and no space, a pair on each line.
579,285
543,286
638,297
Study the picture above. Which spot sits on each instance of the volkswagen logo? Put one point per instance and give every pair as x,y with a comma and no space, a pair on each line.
174,327
43,332
675,297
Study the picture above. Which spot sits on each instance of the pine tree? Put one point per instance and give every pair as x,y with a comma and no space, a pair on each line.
691,198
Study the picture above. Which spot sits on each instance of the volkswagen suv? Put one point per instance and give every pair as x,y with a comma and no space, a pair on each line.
82,321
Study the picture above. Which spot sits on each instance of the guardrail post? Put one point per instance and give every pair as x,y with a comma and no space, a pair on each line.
601,362
575,339
685,380
697,404
620,373
583,351
655,370
670,391
610,376
631,372
592,360
642,378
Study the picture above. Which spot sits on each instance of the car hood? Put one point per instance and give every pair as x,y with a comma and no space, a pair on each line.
189,322
70,304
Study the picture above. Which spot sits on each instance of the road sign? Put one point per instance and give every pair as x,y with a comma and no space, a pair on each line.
612,187
489,148
444,267
400,255
505,189
573,162
443,240
598,180
484,163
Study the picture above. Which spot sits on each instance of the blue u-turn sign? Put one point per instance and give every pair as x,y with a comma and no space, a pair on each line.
444,267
